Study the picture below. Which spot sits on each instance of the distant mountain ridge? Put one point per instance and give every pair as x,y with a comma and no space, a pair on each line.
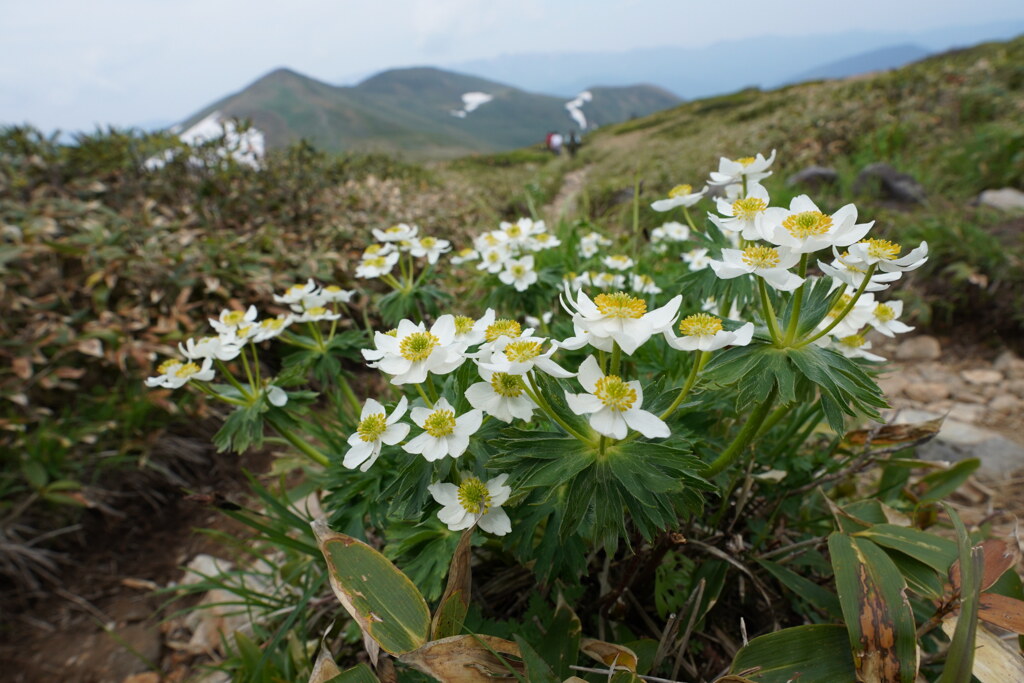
892,57
422,112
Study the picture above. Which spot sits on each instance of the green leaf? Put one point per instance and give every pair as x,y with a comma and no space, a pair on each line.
375,593
357,674
872,594
818,653
934,551
561,643
938,485
536,668
451,611
960,657
806,589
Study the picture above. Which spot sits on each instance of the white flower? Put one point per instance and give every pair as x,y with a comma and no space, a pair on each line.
465,255
502,395
173,373
522,231
377,266
431,247
710,305
884,319
703,332
644,284
744,215
617,262
851,346
680,195
613,405
574,281
519,273
733,171
268,328
490,240
697,259
853,275
858,317
886,254
491,329
375,428
396,233
533,321
276,396
474,502
315,314
335,294
672,231
413,352
765,262
520,355
444,434
233,323
295,295
493,259
542,241
218,348
608,280
378,250
592,242
805,229
616,318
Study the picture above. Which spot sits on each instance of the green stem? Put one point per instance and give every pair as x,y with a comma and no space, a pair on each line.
769,312
423,395
314,331
256,364
616,359
301,444
390,279
744,437
798,300
844,312
602,445
346,389
248,372
221,397
538,398
689,220
773,419
698,364
230,377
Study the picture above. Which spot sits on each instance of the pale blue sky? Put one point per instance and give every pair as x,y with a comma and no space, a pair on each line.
73,64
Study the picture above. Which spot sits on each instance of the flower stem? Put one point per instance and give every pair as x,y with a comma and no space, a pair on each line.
346,389
798,300
230,377
744,437
689,220
220,397
423,395
538,398
698,364
301,444
616,359
844,312
769,312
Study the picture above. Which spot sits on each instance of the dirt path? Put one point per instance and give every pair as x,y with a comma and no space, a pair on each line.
564,202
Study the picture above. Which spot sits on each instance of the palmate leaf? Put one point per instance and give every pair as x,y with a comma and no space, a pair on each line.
844,387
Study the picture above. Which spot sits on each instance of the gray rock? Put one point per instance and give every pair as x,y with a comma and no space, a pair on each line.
959,440
1005,403
1016,386
814,178
1009,364
921,347
966,412
980,377
926,392
1004,199
885,182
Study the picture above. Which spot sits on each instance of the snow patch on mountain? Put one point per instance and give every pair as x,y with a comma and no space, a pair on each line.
246,147
575,108
470,101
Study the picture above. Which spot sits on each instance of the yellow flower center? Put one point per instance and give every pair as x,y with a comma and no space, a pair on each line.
680,191
522,351
463,324
761,257
840,305
807,224
317,310
542,237
440,423
375,262
746,161
620,305
499,328
615,393
700,325
747,209
418,346
168,366
882,249
272,323
854,341
885,313
428,242
518,270
295,289
395,230
492,240
493,257
474,496
234,317
372,427
187,370
464,253
372,249
514,231
392,332
844,259
507,385
333,289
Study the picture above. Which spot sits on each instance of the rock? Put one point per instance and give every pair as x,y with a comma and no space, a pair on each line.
966,412
980,377
926,392
958,441
814,178
1004,199
1016,386
885,182
1005,403
892,385
1009,364
971,397
921,347
148,677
